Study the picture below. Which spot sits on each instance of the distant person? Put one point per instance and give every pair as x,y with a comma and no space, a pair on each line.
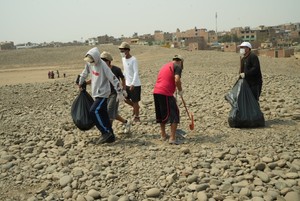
112,103
49,74
250,69
166,109
64,75
52,75
101,77
57,73
133,83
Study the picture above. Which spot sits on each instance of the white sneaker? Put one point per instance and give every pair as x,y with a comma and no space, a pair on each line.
127,127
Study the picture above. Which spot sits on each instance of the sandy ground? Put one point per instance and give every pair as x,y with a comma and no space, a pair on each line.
43,154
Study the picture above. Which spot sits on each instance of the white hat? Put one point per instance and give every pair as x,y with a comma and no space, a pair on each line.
124,45
246,44
106,55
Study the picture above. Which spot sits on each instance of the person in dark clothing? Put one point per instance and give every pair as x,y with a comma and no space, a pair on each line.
250,69
112,104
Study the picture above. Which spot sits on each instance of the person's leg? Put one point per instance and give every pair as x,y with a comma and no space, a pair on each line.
161,113
129,102
135,98
112,107
126,123
128,98
173,118
173,132
94,111
163,131
121,119
136,111
100,116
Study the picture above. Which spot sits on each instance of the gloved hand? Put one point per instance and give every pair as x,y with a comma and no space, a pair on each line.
120,97
124,93
180,93
242,75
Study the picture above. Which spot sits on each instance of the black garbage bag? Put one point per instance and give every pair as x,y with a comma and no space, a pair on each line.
245,110
80,111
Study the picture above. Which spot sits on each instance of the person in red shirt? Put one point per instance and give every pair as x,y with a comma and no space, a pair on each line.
166,109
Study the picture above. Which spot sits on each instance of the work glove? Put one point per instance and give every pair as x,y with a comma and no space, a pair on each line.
242,75
124,93
180,93
120,97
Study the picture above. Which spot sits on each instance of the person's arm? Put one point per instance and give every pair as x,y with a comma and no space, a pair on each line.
84,74
122,78
177,76
135,73
178,82
112,78
123,83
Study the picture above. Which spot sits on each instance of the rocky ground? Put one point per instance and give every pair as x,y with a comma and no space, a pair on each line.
43,156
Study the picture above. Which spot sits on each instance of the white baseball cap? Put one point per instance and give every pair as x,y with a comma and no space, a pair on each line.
246,44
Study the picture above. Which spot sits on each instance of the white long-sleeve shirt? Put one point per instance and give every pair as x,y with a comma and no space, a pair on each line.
131,71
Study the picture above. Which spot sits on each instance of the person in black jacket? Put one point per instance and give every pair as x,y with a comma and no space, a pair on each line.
250,69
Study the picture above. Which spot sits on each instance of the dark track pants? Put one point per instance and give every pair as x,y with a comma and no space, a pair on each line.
100,116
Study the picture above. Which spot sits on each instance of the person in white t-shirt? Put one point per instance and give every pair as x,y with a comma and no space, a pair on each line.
133,83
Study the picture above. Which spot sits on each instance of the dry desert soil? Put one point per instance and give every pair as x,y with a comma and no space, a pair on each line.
43,156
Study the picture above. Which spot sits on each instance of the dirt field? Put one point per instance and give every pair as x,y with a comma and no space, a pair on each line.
44,156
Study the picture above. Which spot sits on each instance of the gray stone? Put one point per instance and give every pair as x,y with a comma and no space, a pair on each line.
201,196
153,192
263,176
95,194
292,196
65,180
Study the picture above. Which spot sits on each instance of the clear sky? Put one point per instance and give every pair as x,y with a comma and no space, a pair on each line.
40,21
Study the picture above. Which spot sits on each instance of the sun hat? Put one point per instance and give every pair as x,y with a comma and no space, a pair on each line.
88,58
124,45
246,44
177,56
106,55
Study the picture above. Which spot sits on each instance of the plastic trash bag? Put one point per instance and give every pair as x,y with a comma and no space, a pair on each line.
80,111
245,110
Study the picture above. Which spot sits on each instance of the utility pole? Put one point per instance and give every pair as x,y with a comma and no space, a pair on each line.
217,25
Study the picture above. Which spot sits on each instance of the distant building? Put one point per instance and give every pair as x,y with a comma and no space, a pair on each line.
277,53
27,45
92,41
7,46
105,39
161,37
230,47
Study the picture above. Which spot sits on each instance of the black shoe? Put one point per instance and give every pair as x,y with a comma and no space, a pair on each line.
111,139
104,138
